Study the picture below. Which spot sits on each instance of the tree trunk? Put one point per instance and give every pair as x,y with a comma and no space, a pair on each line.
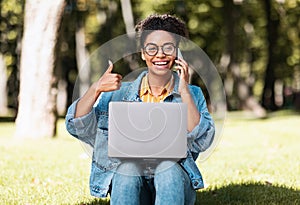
3,88
127,16
130,31
268,96
37,111
82,55
243,95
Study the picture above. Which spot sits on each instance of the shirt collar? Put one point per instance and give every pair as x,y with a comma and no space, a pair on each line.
132,93
145,88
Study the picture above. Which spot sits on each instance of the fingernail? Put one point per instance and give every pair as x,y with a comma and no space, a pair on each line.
109,62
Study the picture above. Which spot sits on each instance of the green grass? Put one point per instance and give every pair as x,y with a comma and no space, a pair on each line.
256,162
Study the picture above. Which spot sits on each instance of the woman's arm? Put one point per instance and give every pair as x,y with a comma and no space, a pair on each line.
193,114
108,82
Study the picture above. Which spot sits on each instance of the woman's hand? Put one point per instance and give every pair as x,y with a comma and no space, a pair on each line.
193,113
108,82
183,73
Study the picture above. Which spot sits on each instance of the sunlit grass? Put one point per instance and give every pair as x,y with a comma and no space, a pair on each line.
256,162
48,171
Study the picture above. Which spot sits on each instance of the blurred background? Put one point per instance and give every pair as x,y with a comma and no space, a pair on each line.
254,44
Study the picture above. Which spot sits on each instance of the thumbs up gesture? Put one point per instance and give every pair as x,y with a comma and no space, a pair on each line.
109,81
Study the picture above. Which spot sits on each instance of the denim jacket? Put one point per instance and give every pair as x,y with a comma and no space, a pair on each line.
93,130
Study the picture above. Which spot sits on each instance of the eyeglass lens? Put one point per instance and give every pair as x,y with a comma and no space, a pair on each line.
152,49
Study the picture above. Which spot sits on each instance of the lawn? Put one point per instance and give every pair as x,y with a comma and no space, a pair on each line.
257,161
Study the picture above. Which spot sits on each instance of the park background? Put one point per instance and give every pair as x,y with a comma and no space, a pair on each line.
255,46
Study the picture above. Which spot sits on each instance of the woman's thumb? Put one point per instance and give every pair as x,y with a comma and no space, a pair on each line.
110,67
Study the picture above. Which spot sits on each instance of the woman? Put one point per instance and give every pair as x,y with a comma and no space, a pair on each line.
170,183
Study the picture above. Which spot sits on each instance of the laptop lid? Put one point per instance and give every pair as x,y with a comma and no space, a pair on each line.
147,130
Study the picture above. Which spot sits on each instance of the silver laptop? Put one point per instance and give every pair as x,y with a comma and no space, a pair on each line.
147,130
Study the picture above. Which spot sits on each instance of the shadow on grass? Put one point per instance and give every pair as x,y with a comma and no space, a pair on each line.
96,202
253,193
7,119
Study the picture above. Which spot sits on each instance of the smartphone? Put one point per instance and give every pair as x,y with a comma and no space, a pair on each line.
178,55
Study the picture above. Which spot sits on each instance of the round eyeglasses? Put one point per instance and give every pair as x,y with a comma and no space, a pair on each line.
152,49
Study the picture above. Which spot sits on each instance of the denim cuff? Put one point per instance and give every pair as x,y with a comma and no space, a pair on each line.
83,121
81,127
200,138
201,128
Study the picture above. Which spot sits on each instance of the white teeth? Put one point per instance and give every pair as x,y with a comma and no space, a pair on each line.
160,63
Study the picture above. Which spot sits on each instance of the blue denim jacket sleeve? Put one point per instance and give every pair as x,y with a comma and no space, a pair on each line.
202,136
83,128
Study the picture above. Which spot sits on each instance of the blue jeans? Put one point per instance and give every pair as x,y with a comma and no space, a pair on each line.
169,184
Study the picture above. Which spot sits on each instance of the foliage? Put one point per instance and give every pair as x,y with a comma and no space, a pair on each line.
208,28
11,22
259,165
11,27
206,20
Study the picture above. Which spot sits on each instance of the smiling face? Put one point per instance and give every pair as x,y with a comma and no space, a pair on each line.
162,62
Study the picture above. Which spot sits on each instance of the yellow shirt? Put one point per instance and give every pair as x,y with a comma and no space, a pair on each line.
146,94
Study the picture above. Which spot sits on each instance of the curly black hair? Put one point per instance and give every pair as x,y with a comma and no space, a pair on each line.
163,22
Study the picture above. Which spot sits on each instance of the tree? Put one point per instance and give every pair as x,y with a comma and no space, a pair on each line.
127,16
282,66
81,50
11,21
3,79
268,96
233,50
3,88
36,117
